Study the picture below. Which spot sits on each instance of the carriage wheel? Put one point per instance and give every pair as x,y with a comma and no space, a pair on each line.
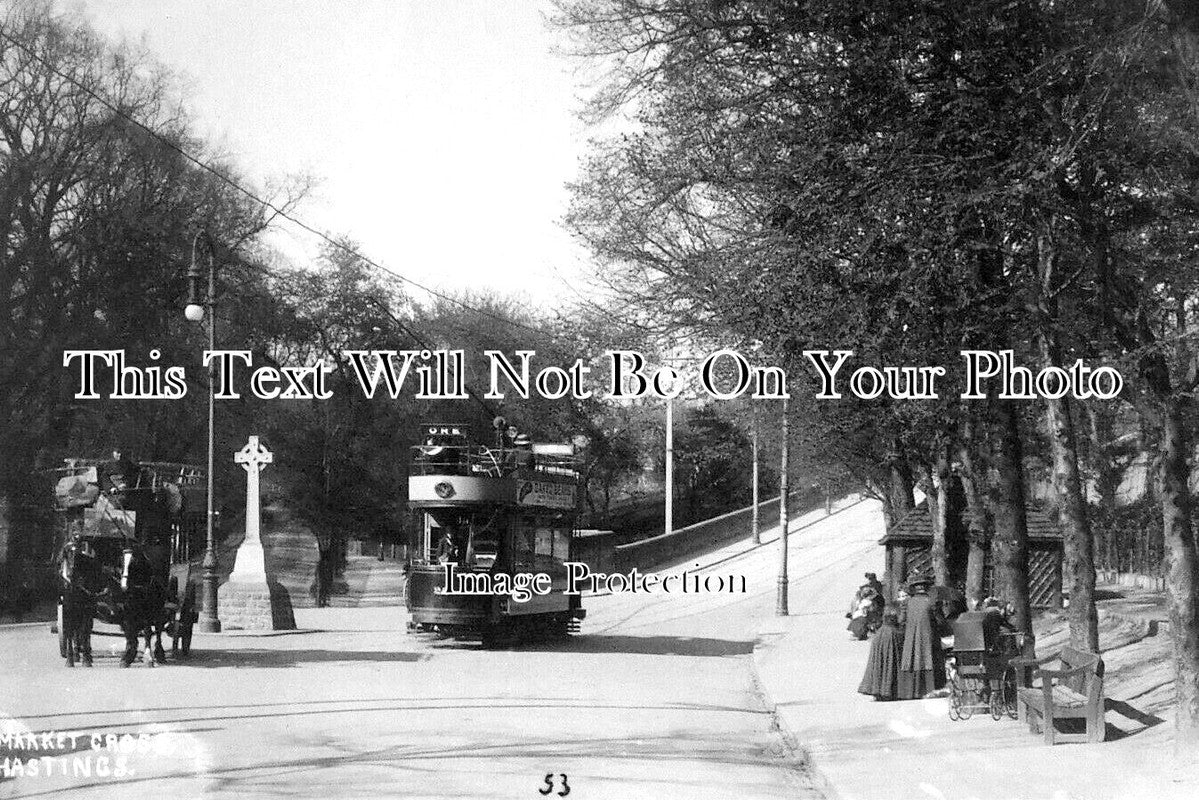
62,632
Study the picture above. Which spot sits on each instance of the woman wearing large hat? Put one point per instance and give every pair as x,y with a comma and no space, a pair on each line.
921,663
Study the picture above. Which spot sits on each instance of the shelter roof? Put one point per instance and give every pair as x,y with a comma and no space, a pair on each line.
917,525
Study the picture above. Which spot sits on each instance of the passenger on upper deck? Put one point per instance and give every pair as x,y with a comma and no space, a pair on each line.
520,459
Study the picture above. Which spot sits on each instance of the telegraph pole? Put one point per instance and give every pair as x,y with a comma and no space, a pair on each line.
780,608
669,464
753,436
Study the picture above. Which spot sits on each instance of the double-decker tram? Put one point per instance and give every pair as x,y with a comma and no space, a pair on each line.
491,529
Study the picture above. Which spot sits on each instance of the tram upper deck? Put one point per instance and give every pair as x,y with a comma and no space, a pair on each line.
447,471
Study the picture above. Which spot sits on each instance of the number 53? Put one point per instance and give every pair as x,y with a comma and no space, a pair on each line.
549,784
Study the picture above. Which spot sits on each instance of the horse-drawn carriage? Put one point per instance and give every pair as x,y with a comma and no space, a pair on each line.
125,545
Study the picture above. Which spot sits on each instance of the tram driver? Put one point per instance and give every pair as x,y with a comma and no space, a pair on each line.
447,549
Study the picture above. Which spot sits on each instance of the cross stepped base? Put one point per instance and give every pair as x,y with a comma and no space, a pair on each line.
251,606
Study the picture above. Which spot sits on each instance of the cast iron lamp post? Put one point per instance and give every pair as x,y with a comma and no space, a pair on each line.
208,622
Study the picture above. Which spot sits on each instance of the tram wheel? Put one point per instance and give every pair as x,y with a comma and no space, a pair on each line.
497,637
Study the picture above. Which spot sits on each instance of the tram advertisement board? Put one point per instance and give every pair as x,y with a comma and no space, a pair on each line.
548,495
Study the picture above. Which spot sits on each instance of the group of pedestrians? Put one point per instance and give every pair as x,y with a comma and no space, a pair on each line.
906,661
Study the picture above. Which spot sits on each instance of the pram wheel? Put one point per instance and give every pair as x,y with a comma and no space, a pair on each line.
962,698
966,704
1007,692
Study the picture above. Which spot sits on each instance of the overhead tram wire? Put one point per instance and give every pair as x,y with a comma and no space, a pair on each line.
493,412
280,212
99,98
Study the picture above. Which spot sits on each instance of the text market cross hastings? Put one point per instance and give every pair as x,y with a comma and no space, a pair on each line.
723,375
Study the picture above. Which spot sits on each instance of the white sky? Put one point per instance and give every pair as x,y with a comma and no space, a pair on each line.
442,131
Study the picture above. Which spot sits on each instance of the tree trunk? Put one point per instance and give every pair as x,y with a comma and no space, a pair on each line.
888,512
1063,447
979,520
1108,476
897,571
1006,496
1181,565
1076,529
939,507
934,482
884,496
902,488
1072,516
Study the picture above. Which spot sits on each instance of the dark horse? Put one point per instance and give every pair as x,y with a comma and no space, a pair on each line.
81,581
143,610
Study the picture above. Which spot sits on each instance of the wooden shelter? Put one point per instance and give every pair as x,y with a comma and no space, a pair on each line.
909,545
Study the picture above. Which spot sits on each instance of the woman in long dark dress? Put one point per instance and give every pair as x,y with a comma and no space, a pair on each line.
921,664
881,679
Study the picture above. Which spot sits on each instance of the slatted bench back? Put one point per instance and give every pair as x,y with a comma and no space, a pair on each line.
1089,684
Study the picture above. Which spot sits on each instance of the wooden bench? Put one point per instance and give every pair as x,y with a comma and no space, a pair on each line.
1075,691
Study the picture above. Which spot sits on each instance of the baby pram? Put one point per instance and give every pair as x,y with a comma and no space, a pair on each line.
981,675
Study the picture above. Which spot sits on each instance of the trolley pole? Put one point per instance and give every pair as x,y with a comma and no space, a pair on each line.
780,608
753,437
208,621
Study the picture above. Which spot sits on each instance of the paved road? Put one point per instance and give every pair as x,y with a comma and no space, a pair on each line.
655,699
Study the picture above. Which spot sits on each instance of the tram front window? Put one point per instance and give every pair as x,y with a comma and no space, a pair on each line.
466,539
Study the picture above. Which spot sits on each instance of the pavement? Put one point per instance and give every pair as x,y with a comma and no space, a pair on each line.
704,695
857,748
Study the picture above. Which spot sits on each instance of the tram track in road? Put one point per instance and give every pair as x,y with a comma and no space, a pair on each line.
65,721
